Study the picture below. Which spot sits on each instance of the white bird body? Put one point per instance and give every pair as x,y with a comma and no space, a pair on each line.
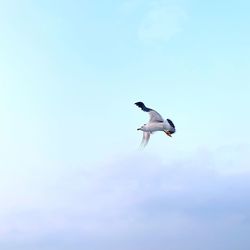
155,126
152,127
156,123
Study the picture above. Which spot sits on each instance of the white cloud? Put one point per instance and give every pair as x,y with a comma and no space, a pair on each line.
161,22
135,203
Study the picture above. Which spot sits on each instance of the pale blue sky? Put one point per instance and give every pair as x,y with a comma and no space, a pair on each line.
70,72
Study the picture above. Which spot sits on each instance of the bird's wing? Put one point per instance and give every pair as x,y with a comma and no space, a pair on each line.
145,139
154,116
171,123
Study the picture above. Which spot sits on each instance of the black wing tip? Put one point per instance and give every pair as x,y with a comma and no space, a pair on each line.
142,106
139,104
171,123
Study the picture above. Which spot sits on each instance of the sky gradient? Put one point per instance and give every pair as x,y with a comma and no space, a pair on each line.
72,176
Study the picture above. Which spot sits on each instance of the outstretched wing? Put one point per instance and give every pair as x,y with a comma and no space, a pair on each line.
145,139
154,116
171,123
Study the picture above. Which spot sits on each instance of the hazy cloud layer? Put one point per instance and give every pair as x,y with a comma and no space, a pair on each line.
134,203
155,21
161,22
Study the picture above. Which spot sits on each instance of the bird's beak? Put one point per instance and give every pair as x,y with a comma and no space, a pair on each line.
167,133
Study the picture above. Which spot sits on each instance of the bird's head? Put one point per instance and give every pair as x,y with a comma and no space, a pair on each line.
142,128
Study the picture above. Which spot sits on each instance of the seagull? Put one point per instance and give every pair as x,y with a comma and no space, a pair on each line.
156,123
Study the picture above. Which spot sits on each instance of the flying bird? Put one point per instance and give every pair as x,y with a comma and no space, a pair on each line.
156,123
